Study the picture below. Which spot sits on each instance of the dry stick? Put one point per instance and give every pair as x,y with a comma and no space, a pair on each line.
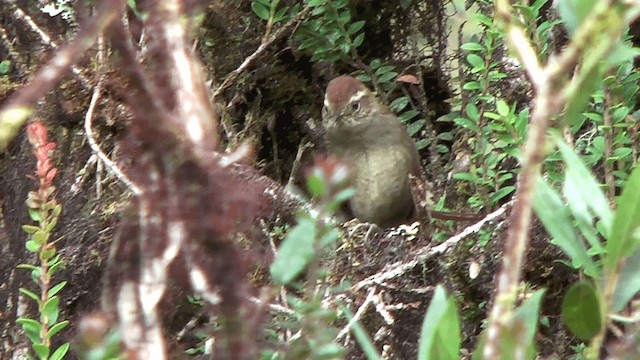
46,39
358,313
263,46
397,269
113,167
545,104
20,104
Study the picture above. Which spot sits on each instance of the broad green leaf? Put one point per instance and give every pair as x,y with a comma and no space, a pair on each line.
580,179
476,61
471,46
57,327
41,350
32,246
355,27
60,352
628,283
440,334
50,310
295,251
527,314
260,10
54,290
521,329
554,215
399,104
30,294
573,12
623,239
579,93
32,328
39,236
581,310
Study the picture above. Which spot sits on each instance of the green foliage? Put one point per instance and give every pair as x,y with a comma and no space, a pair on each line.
440,334
301,251
269,11
330,34
44,210
581,310
612,266
495,128
5,67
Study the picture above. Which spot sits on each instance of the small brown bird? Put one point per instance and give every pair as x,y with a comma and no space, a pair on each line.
368,136
371,139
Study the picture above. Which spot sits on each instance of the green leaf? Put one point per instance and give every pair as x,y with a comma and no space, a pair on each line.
260,10
472,112
527,314
471,46
316,186
358,40
295,251
416,126
50,310
280,14
56,328
475,61
385,69
54,290
466,123
34,214
581,310
56,211
573,12
440,333
375,63
27,267
472,85
41,350
5,67
628,283
554,215
32,246
60,352
31,328
623,239
399,104
407,115
315,3
386,77
40,237
580,180
503,108
30,229
30,294
579,93
355,27
498,195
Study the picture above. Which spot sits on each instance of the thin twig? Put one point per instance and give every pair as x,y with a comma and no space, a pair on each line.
263,46
47,40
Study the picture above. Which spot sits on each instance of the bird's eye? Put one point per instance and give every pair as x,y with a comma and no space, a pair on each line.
355,106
